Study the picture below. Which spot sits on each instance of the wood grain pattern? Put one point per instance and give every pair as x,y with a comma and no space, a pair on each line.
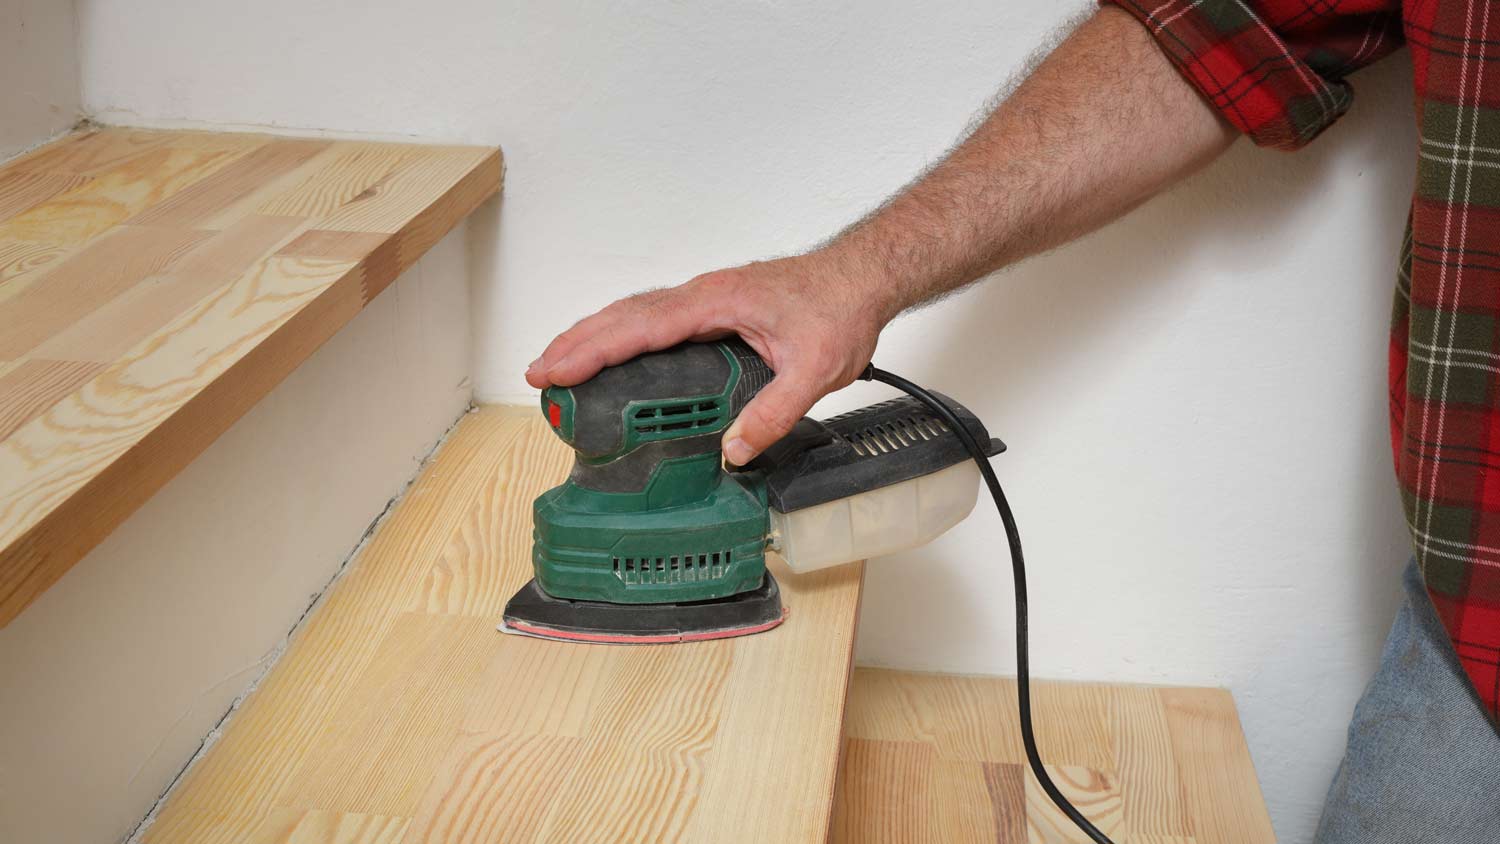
976,802
22,191
91,152
351,177
214,193
1150,786
1094,793
469,810
291,826
79,285
379,759
1173,768
35,385
1212,759
399,700
137,259
20,258
109,332
115,195
885,788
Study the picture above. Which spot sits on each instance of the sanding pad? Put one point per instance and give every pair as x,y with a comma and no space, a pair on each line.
532,612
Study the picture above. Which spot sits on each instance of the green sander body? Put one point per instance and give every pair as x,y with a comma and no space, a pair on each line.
652,539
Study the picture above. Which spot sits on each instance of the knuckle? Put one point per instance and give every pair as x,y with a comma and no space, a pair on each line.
594,356
719,286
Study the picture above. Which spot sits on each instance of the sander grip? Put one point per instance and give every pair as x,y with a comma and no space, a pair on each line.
675,403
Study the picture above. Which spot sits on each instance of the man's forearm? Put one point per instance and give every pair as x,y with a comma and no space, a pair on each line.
1102,124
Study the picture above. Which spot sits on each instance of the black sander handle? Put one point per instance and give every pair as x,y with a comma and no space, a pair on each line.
660,405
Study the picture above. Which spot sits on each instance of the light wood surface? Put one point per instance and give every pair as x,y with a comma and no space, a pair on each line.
155,285
399,713
938,758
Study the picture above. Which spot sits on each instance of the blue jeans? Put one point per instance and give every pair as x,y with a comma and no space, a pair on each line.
1423,761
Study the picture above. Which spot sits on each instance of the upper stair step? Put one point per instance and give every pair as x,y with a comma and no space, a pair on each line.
154,285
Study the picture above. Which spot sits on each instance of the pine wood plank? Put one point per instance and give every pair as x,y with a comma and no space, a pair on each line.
115,195
798,752
400,678
654,723
1150,788
355,173
976,802
22,191
378,759
90,152
964,717
886,792
1077,730
560,708
1094,793
106,334
83,283
379,255
472,809
21,260
317,243
214,193
35,385
387,205
1212,759
1172,766
1005,782
139,254
314,826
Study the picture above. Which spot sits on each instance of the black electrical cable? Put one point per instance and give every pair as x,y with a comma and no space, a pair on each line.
1018,572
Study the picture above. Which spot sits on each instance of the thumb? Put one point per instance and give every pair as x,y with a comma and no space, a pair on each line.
770,415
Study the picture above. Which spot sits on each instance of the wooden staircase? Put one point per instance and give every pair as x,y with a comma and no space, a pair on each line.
155,285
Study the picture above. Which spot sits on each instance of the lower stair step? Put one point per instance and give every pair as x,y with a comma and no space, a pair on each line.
399,713
938,757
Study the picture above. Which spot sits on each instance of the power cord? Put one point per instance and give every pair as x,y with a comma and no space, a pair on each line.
1018,573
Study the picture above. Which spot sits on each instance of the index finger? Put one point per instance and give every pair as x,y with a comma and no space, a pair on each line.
642,323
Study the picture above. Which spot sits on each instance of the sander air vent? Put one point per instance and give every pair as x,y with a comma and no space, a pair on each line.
863,450
894,434
660,418
687,568
879,480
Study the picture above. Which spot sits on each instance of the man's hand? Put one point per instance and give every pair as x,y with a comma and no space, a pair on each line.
813,323
1101,125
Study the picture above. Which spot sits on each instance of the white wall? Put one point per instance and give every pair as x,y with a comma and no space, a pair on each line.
1194,397
112,678
39,69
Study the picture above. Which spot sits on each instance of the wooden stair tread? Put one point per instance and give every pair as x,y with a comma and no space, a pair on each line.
400,714
936,757
155,285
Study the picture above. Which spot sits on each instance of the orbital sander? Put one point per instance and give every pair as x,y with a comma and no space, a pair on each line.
652,539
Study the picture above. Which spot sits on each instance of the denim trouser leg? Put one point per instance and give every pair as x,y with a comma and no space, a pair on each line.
1423,761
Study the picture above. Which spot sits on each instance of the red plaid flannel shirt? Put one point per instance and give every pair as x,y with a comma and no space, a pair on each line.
1275,69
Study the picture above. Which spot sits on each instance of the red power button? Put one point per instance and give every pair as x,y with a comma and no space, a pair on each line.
554,414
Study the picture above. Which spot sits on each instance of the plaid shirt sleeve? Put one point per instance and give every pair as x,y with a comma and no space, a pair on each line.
1274,68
